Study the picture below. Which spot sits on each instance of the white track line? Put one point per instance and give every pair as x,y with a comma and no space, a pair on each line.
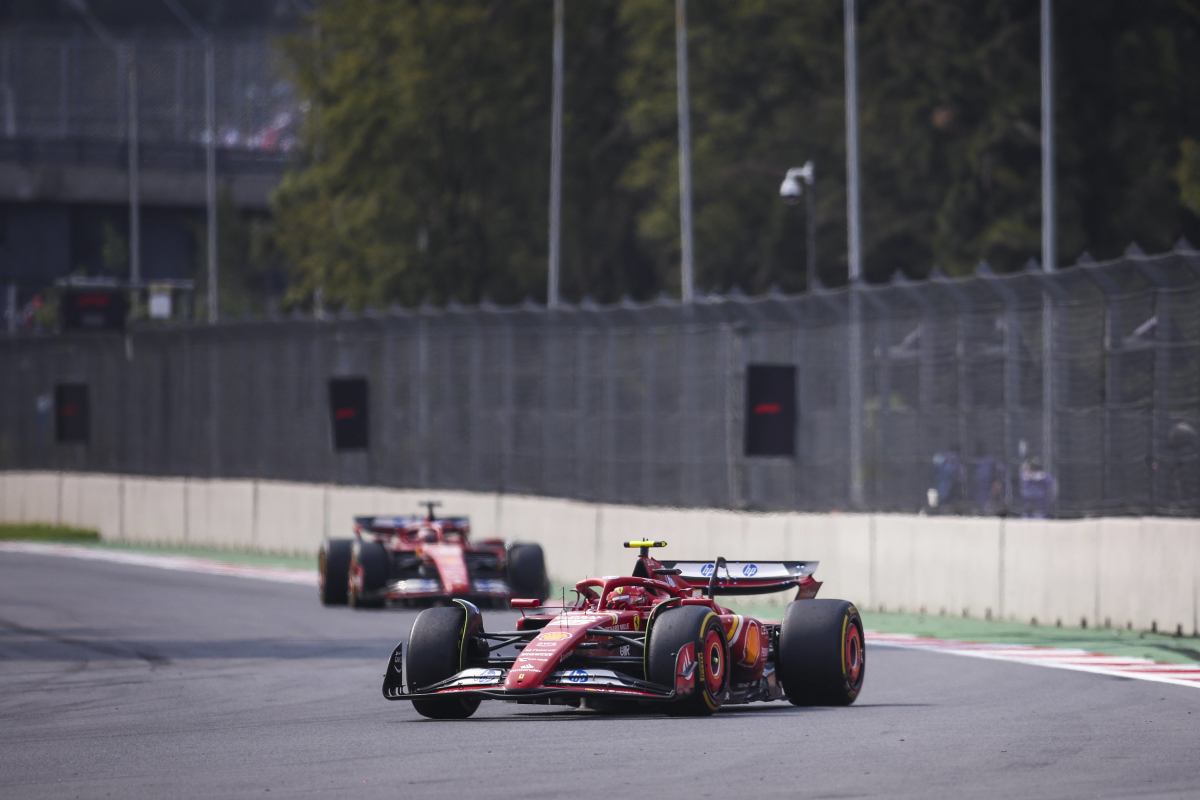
1059,657
181,563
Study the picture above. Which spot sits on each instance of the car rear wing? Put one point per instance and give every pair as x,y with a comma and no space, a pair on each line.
746,577
394,525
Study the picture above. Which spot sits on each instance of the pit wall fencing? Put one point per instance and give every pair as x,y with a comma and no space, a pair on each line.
1140,572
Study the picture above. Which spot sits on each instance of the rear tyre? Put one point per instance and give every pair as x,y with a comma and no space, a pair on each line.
821,660
527,571
701,628
435,654
333,566
368,572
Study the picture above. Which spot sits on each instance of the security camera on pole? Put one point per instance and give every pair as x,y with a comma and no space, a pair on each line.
790,190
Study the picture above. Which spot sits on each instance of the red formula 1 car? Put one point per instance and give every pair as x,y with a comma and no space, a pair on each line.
654,638
418,560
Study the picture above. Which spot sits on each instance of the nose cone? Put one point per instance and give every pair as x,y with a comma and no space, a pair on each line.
540,656
556,641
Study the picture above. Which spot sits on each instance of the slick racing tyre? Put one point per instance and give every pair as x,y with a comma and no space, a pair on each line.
527,571
435,653
671,632
368,574
333,570
821,660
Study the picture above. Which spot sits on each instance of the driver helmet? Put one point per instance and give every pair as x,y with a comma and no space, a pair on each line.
427,535
627,597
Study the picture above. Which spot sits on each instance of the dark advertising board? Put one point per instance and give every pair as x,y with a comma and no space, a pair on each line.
770,410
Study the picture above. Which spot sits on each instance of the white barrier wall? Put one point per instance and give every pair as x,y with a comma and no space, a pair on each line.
1143,572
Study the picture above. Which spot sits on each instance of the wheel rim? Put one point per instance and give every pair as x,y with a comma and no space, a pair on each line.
854,655
714,658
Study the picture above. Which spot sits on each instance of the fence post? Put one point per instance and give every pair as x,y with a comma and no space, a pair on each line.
962,304
882,364
1112,367
1052,291
1163,329
733,371
856,400
1011,374
649,365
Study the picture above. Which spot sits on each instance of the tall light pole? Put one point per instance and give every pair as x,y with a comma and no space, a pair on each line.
853,206
124,53
210,147
556,116
854,242
1048,217
790,190
1049,244
686,266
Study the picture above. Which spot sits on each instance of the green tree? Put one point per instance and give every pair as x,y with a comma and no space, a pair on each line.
427,148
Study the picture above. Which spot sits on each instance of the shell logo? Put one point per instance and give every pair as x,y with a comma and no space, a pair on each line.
553,637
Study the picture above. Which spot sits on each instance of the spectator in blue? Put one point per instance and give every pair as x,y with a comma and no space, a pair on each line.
1038,490
949,479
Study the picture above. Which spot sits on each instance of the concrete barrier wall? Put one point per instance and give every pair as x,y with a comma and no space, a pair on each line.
1139,572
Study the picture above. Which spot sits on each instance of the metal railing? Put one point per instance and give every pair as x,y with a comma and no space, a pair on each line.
645,403
73,87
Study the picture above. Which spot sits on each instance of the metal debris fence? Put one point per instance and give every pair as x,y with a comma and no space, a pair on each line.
1065,394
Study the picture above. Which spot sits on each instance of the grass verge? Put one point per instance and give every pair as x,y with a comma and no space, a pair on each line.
29,532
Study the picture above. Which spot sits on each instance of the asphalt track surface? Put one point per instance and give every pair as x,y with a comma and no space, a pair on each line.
132,682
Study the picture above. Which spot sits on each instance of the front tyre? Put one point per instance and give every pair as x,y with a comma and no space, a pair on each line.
822,660
367,575
701,629
333,566
435,653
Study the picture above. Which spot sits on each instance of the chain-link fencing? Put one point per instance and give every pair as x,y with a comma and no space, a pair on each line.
1064,394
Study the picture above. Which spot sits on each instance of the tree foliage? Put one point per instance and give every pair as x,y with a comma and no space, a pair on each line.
427,153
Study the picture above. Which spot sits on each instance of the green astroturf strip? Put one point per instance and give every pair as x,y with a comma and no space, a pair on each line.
1106,641
28,532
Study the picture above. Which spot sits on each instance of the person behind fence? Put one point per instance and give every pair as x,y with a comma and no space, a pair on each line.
1038,489
949,479
1183,460
988,486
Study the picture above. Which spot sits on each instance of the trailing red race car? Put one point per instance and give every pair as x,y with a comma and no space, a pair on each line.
417,560
654,638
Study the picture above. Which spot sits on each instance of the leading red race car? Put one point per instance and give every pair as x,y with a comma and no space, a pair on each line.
656,638
419,560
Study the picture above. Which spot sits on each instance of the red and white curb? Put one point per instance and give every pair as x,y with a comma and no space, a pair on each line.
1059,657
205,566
